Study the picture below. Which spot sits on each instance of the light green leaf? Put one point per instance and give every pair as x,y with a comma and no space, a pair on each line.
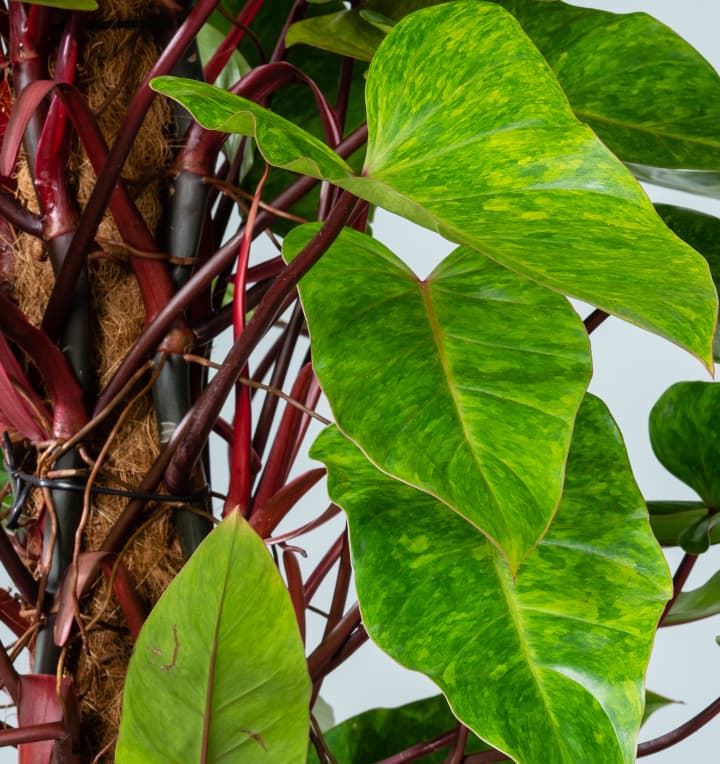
480,144
68,5
465,385
549,667
654,702
670,519
650,96
344,33
697,604
281,143
217,652
381,732
683,425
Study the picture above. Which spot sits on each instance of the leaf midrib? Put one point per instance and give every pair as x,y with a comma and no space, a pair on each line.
207,713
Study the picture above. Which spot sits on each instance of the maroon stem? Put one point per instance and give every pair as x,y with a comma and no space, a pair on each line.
68,406
594,320
331,644
324,566
354,642
681,732
19,215
421,750
342,586
34,733
458,747
14,567
8,675
679,580
61,296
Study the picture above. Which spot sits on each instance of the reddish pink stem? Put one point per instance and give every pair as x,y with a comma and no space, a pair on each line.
240,458
222,55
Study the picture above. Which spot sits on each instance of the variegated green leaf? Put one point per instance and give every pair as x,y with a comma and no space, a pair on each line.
547,667
465,385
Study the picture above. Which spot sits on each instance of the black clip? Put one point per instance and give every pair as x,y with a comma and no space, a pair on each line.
21,483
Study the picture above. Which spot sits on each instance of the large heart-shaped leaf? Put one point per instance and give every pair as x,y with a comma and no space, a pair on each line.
465,385
470,135
381,732
216,654
548,667
682,433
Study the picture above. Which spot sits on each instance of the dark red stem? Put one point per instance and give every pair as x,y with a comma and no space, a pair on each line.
679,580
594,320
323,568
421,750
237,32
680,733
34,733
58,305
331,644
8,675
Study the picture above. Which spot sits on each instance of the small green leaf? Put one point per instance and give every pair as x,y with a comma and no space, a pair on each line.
546,667
671,519
683,424
217,652
68,5
381,732
654,702
344,33
697,604
696,538
465,385
281,143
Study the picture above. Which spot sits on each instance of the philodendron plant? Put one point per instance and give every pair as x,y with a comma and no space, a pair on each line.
498,540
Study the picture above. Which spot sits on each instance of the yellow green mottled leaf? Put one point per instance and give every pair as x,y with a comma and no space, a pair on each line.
465,384
547,667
